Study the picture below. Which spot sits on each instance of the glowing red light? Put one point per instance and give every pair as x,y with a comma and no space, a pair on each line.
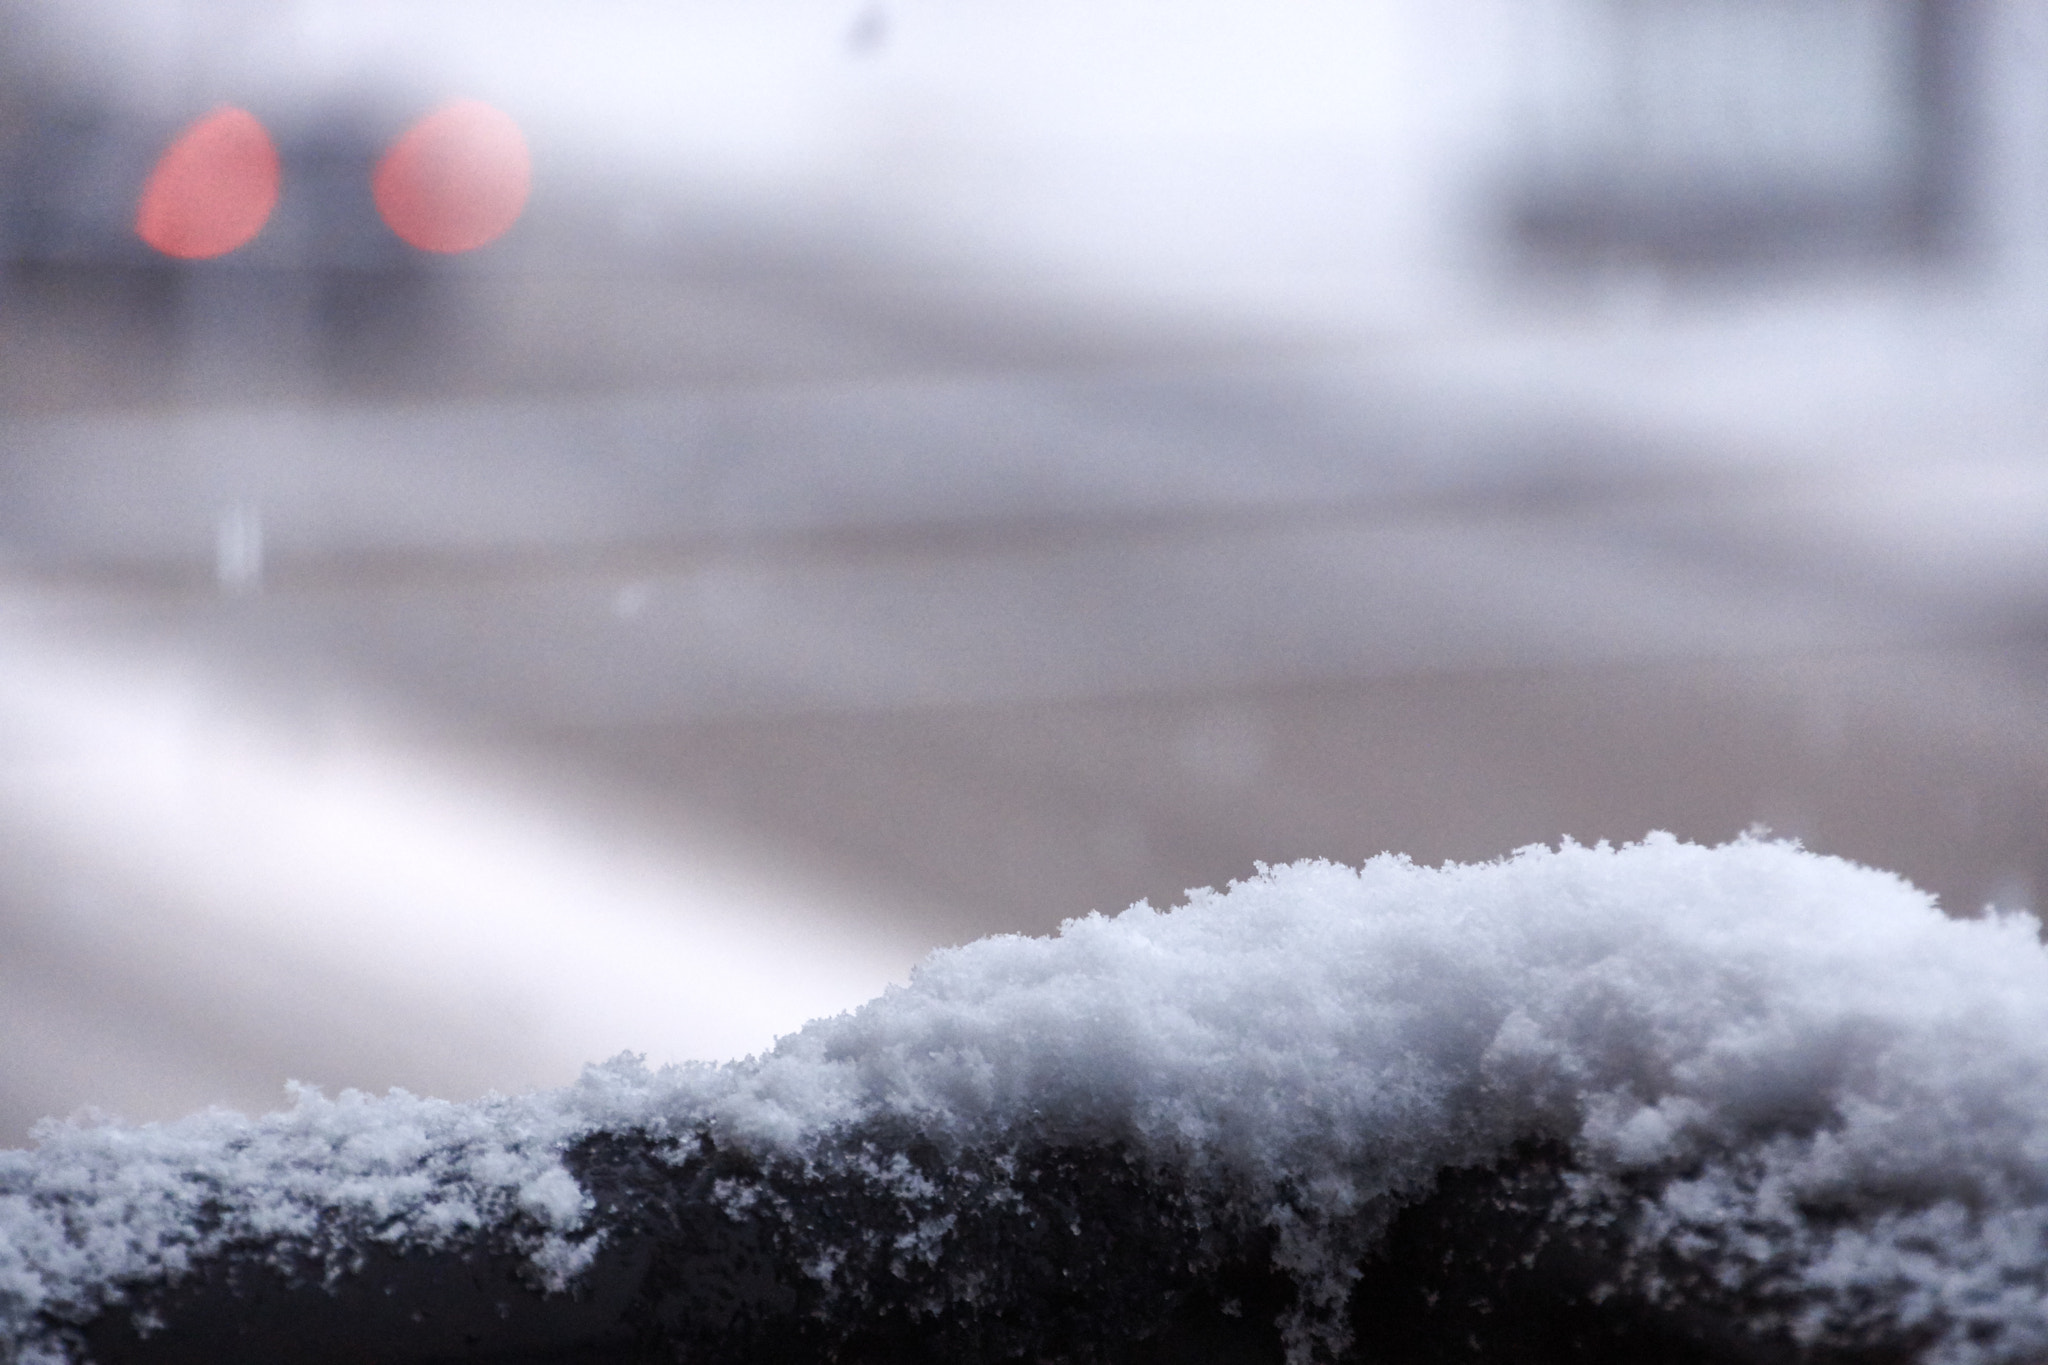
456,179
212,189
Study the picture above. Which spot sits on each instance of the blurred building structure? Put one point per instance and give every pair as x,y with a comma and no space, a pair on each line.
915,474
1750,134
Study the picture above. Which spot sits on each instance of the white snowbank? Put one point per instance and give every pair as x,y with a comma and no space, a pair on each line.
1759,1031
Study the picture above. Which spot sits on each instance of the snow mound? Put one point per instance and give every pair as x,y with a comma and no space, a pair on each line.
1785,1079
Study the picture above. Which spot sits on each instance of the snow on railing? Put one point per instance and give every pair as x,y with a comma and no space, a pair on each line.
1655,1102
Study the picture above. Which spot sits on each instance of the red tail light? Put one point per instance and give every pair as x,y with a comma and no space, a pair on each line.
455,180
212,189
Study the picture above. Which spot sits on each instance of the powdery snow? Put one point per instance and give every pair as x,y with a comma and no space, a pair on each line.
1728,1039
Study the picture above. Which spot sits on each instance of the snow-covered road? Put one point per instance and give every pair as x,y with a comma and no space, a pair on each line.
907,505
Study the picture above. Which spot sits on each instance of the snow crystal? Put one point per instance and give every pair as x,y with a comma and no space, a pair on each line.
1749,1033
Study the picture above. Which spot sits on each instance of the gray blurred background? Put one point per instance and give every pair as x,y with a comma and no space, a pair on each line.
922,469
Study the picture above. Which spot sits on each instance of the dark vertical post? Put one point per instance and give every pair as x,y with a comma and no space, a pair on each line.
1935,200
